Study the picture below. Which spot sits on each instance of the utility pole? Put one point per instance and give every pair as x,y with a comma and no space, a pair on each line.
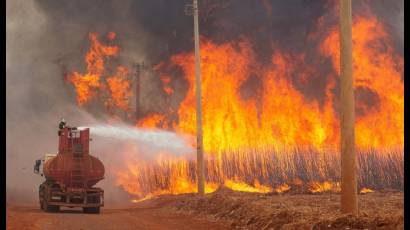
199,142
349,203
138,67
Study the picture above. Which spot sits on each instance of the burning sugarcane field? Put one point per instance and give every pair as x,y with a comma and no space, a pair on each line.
205,114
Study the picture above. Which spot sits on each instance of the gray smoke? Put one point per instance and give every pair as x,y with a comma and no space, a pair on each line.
392,13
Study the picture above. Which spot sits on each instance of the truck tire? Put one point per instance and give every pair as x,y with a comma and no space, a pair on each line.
42,204
93,210
41,196
45,206
54,208
49,208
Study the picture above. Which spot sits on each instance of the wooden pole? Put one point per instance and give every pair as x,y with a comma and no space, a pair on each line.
137,91
200,155
349,202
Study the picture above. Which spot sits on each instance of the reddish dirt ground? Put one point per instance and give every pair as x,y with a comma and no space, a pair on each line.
144,217
224,209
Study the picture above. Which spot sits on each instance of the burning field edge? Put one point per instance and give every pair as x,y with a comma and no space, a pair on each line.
300,171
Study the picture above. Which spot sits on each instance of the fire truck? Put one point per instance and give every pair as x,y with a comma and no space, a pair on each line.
70,175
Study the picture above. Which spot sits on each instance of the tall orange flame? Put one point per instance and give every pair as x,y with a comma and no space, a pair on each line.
376,67
120,88
239,134
96,80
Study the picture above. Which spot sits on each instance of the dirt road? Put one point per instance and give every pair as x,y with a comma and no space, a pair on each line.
139,217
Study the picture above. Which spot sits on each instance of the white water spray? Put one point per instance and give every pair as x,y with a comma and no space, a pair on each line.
144,137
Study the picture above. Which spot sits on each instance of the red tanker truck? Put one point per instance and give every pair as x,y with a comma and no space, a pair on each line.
71,174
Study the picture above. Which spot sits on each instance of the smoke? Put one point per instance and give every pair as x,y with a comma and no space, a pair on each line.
392,13
28,100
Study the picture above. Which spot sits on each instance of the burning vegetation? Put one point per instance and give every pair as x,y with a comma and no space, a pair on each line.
113,90
277,139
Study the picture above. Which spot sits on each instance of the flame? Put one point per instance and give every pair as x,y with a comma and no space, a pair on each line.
282,188
272,130
119,87
148,197
238,185
377,68
365,190
96,82
166,80
327,186
248,137
174,178
286,117
153,121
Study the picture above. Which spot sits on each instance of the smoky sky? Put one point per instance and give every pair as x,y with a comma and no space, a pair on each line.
170,29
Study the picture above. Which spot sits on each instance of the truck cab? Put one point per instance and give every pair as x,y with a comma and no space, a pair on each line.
38,166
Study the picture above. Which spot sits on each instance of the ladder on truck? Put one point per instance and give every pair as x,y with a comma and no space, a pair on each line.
77,173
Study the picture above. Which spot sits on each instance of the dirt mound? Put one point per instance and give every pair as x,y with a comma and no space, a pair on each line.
293,211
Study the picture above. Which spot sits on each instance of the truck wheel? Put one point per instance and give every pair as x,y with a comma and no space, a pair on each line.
94,210
42,205
49,208
55,208
45,206
86,210
41,197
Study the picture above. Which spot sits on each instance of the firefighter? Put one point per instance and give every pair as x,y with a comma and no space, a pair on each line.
62,124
